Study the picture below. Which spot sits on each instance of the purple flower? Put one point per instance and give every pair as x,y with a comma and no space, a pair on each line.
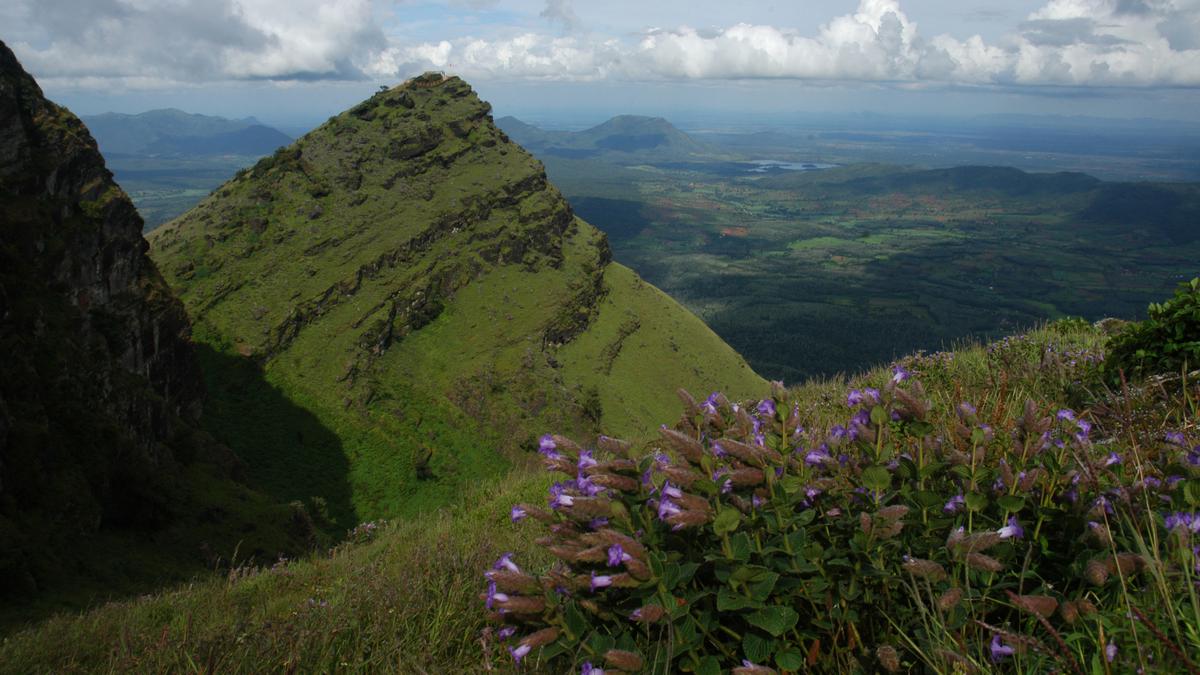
667,508
837,433
1187,521
766,408
710,404
1176,438
547,447
517,514
1110,652
966,410
560,500
597,523
1193,457
717,450
586,460
756,501
816,457
506,632
505,562
900,374
955,504
872,394
672,491
999,651
589,669
617,555
1066,415
493,596
854,398
520,652
1011,531
1113,458
600,581
1085,428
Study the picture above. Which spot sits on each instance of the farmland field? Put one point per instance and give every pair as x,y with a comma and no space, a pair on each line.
817,272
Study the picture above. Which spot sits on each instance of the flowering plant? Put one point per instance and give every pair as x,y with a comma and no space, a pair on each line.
906,537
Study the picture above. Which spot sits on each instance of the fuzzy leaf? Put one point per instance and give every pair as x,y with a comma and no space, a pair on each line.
775,620
727,521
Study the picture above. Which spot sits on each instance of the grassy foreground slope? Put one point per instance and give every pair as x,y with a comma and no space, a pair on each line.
407,600
408,276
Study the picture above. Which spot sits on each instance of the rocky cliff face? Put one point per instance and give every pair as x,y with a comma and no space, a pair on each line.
98,369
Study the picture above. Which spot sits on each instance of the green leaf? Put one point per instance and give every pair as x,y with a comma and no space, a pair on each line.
728,600
739,545
756,647
727,521
749,574
576,623
877,478
879,416
775,620
790,660
977,501
709,665
1011,503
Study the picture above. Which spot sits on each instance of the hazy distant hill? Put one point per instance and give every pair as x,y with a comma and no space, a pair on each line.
175,132
410,276
623,135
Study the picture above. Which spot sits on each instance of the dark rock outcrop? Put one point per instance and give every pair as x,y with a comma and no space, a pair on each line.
98,371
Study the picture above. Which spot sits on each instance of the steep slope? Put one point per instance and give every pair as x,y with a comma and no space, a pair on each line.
409,276
99,387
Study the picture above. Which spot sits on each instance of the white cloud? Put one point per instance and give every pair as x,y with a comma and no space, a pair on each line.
141,42
147,42
1066,42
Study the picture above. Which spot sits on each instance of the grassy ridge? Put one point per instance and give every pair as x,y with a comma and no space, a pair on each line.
420,304
408,601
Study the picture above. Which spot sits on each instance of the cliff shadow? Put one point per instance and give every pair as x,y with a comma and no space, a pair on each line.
290,455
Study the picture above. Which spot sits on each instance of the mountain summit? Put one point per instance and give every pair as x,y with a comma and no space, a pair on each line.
409,276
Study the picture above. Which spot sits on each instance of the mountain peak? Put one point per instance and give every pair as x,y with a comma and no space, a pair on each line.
411,275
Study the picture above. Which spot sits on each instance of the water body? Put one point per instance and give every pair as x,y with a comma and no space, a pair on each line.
773,165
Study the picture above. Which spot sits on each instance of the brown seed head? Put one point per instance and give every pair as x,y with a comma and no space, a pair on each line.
614,445
650,614
1127,563
1096,573
687,447
521,604
541,638
924,569
681,476
889,658
637,569
894,512
513,582
1069,612
746,477
619,658
983,562
1041,605
746,453
685,519
611,480
587,508
979,542
949,600
693,502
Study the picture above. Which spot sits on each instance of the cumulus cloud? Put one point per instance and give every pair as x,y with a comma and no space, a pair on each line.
1063,43
146,42
1066,42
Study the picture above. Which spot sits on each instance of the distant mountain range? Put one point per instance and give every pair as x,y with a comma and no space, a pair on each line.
623,135
171,132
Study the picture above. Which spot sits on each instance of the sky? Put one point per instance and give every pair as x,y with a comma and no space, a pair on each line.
293,62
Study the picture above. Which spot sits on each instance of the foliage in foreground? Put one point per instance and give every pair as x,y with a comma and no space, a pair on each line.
1166,342
949,537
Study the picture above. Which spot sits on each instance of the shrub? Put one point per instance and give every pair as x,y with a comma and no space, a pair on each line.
1166,342
906,538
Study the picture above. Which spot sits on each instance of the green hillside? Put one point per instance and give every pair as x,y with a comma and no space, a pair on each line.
409,278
